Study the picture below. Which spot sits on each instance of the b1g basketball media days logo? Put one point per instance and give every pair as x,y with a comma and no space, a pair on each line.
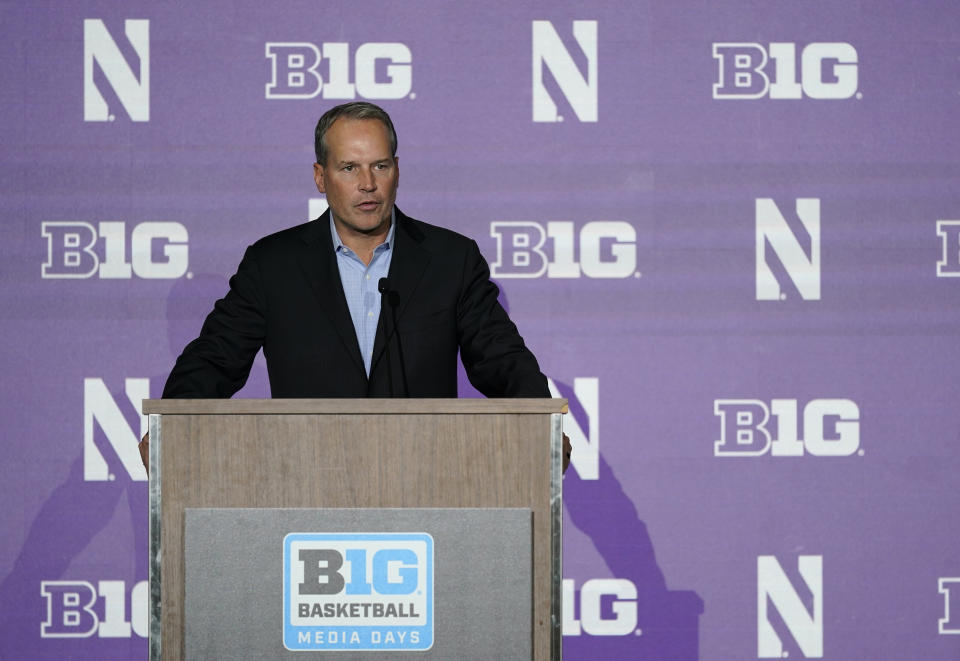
294,75
158,250
827,71
100,52
358,591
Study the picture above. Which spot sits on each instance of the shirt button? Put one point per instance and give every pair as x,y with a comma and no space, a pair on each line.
369,314
368,276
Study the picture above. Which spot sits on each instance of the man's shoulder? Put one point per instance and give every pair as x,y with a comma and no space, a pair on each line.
295,233
289,238
431,236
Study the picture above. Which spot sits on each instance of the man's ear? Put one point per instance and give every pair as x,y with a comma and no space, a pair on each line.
318,174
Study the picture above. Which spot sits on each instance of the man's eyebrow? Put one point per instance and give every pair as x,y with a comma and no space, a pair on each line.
340,164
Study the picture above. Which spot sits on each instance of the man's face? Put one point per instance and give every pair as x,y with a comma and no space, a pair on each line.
360,176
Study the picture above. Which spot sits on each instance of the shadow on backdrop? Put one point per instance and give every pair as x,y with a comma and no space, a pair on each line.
77,511
668,620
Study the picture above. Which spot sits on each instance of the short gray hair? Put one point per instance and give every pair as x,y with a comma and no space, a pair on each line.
352,110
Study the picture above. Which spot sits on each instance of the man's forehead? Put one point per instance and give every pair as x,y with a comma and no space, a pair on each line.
356,136
347,126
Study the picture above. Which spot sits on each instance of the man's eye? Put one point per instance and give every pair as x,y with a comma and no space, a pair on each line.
347,168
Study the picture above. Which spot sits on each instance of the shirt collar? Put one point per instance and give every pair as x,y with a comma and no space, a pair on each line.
338,245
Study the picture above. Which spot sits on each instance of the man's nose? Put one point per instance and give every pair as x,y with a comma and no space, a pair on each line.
367,181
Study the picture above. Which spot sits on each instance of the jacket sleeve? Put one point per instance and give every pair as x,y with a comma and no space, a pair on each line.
497,361
217,363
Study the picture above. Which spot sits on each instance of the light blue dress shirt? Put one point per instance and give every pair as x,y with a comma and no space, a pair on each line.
360,283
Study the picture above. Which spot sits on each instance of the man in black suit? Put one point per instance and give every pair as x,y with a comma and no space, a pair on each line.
309,295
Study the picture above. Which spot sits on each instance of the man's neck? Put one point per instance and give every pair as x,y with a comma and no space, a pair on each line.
364,244
361,243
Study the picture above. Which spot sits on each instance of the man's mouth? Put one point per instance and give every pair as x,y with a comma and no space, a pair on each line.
369,205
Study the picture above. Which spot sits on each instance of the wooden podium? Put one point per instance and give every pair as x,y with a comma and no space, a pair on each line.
353,453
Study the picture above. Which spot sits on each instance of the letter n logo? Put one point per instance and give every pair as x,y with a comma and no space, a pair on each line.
805,625
133,91
549,52
100,407
585,457
799,257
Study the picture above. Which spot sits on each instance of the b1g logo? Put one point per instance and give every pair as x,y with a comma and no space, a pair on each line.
803,622
606,249
75,609
358,591
827,71
294,75
950,589
620,597
949,233
130,89
157,250
831,428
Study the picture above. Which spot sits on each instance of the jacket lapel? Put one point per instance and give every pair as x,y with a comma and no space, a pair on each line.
319,264
407,267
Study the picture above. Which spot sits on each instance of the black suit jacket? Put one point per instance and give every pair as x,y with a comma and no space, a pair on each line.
286,297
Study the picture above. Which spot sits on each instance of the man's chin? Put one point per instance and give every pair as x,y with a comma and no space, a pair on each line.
367,225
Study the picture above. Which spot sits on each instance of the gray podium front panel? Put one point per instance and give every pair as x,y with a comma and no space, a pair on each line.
481,562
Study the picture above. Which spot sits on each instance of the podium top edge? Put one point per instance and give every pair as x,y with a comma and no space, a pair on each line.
356,406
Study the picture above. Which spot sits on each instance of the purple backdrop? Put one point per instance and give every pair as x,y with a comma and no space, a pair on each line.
729,231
